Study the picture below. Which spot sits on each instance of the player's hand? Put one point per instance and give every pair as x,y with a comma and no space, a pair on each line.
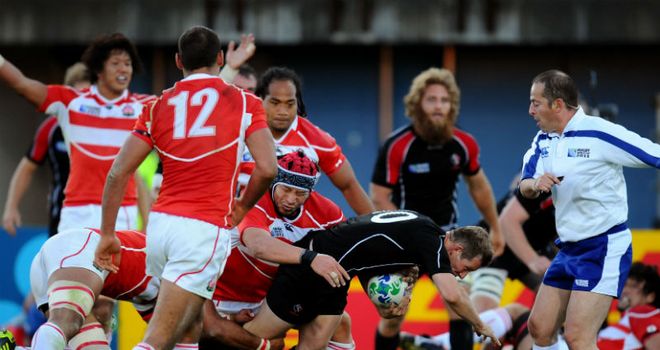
328,268
107,253
237,56
243,316
11,219
497,240
277,344
395,310
485,332
238,213
539,265
545,182
410,275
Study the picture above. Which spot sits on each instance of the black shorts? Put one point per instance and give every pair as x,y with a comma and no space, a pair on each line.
517,270
298,295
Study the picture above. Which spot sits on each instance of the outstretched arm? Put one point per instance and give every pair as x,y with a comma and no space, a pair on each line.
236,57
381,197
344,179
33,90
20,181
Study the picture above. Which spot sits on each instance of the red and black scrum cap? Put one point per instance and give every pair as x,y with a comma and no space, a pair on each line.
297,170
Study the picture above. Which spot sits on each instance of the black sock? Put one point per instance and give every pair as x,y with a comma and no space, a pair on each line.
460,335
386,343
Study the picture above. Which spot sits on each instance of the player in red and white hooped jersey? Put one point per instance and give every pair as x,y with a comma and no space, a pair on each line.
199,128
95,122
66,283
279,219
280,89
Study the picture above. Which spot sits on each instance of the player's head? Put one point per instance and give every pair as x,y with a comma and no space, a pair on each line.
642,287
433,103
295,180
280,89
552,94
112,60
77,76
469,248
199,47
246,78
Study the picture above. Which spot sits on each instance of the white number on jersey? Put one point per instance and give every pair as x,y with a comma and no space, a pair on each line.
392,216
180,103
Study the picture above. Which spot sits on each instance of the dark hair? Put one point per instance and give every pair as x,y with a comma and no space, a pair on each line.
198,48
475,242
558,84
281,74
246,70
648,274
100,50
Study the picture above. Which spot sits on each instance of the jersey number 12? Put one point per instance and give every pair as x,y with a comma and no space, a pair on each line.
208,99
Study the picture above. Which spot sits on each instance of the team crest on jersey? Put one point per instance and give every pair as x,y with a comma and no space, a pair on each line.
90,110
128,111
579,152
455,161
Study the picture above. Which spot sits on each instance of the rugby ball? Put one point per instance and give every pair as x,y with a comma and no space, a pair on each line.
386,289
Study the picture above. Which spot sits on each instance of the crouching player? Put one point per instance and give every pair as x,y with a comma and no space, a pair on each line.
66,286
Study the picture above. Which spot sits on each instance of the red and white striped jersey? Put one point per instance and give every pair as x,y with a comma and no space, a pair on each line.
633,329
199,128
246,278
317,144
94,129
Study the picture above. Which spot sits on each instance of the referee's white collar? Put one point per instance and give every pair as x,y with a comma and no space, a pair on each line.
575,120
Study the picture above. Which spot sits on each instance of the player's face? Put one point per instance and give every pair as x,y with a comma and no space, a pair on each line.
633,295
289,199
436,104
116,75
461,267
540,109
248,83
281,105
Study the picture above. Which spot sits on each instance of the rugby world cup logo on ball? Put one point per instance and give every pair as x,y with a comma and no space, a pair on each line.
387,289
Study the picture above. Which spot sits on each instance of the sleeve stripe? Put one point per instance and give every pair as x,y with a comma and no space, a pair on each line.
613,140
530,167
396,153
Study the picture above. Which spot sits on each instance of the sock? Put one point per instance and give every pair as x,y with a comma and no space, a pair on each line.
334,345
498,320
460,335
554,346
48,336
386,343
182,346
143,346
440,339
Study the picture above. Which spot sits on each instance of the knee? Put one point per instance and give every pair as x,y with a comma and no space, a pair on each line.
390,326
539,330
68,321
578,336
343,331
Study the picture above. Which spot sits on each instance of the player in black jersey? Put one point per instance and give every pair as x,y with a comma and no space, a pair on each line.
377,243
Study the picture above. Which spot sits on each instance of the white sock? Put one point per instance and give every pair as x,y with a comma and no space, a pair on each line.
440,339
143,346
334,345
554,346
184,346
498,320
48,337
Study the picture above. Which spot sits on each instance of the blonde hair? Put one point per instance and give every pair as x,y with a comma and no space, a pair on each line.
77,73
432,76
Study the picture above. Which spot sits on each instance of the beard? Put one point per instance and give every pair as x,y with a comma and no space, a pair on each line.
433,133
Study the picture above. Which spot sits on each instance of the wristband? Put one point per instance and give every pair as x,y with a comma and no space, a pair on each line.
264,344
307,257
2,61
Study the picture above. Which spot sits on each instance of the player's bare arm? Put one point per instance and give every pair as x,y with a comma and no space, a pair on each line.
20,181
482,196
511,220
262,147
130,157
380,196
33,90
458,299
344,179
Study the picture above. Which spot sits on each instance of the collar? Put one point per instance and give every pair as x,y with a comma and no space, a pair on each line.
575,120
95,90
197,76
293,126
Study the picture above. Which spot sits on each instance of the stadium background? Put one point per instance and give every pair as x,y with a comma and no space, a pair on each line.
357,59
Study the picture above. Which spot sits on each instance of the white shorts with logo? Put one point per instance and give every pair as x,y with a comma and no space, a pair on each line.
71,248
81,216
187,252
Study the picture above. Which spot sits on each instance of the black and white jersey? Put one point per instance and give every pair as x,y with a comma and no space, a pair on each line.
383,242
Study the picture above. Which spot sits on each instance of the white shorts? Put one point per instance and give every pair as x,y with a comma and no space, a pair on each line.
233,307
71,248
81,216
187,252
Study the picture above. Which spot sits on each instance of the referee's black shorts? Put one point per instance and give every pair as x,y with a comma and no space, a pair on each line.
298,295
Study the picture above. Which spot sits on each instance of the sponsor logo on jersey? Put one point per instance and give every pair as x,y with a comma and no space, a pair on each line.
419,168
276,231
247,157
211,286
60,146
90,109
544,152
288,227
128,110
579,152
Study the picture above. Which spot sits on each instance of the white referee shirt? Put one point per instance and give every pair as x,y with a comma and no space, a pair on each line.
589,155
